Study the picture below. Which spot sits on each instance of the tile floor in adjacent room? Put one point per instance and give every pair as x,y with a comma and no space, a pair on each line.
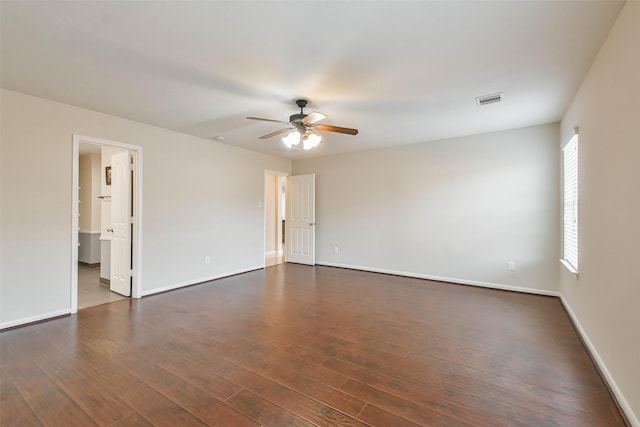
90,291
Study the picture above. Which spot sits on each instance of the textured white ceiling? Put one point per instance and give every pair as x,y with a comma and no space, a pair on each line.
400,71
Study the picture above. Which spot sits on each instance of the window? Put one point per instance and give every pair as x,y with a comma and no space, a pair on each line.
570,197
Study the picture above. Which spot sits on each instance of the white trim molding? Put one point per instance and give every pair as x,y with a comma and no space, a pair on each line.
445,279
569,267
199,281
611,382
33,319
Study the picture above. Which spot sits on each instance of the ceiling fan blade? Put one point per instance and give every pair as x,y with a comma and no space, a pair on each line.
338,129
278,132
313,118
266,120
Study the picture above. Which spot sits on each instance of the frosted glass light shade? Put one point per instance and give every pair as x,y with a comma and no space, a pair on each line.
311,141
292,139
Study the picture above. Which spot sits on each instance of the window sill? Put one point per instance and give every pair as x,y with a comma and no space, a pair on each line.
570,267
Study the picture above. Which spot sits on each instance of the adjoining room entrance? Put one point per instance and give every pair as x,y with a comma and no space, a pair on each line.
274,216
289,219
106,202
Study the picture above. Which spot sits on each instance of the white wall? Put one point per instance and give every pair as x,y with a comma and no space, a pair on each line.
457,209
605,299
96,192
85,175
280,216
89,180
89,208
200,198
271,214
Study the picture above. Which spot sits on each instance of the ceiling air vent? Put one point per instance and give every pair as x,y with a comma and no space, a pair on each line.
489,99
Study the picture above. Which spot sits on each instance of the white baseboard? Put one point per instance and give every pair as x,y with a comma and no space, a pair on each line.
445,279
31,319
624,404
199,280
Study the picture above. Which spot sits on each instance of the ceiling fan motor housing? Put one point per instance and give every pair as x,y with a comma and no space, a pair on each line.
296,118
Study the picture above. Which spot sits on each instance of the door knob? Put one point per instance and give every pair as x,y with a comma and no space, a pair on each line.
109,230
311,224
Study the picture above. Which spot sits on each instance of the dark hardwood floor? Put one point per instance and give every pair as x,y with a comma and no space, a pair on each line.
298,346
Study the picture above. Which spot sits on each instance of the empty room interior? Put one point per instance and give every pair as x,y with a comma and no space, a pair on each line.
383,213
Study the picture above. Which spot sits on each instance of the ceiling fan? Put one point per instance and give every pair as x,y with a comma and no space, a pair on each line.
301,128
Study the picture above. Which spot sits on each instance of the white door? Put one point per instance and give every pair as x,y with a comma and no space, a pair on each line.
121,223
301,219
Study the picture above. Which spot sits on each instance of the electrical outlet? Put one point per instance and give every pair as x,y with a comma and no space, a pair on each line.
207,259
336,250
511,266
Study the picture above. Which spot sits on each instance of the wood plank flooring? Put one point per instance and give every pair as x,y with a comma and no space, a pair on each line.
294,345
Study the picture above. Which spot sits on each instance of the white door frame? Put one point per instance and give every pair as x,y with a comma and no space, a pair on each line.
136,237
264,204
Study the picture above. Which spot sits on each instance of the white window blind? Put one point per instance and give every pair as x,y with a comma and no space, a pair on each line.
570,196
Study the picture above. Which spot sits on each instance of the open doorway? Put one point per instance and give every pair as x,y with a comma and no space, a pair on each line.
94,203
274,213
289,218
106,222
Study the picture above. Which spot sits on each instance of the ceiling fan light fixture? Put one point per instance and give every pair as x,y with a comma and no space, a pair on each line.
311,140
302,125
291,139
